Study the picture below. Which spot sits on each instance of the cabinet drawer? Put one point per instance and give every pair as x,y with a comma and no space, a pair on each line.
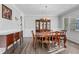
17,35
10,39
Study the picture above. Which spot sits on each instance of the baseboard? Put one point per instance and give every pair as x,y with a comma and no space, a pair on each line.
73,42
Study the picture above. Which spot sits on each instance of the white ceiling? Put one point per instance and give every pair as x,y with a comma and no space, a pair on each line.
45,9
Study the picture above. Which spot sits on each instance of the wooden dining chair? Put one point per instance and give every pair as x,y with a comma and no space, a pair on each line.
45,40
33,39
63,37
58,35
56,38
53,38
36,39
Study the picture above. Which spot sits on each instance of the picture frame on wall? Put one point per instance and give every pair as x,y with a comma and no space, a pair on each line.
6,12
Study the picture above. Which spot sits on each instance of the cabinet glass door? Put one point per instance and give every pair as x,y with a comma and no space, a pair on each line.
45,25
37,25
48,25
41,25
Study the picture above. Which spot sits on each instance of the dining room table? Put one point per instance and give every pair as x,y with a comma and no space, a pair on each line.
41,35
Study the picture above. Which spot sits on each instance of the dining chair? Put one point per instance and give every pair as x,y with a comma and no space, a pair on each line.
58,35
45,40
53,38
56,38
63,37
33,39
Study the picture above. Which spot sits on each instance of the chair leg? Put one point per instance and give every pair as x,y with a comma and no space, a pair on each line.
54,42
58,42
65,39
33,44
42,42
48,46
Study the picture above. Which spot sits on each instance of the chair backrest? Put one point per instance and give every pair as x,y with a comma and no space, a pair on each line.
45,34
58,33
33,36
53,33
63,32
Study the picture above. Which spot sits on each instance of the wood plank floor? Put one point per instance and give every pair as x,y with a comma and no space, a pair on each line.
27,48
30,50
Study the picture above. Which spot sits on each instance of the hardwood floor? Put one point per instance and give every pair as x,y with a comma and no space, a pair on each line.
27,48
30,50
72,48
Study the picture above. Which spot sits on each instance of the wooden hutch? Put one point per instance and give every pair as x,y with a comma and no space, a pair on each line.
43,25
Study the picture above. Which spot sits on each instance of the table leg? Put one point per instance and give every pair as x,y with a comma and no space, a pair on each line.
65,39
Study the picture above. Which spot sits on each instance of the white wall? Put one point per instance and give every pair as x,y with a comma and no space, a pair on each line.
29,24
9,26
72,35
5,24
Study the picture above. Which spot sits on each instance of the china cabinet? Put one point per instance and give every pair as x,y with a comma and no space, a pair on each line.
42,25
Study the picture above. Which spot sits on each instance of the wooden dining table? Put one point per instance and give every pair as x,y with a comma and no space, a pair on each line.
50,34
